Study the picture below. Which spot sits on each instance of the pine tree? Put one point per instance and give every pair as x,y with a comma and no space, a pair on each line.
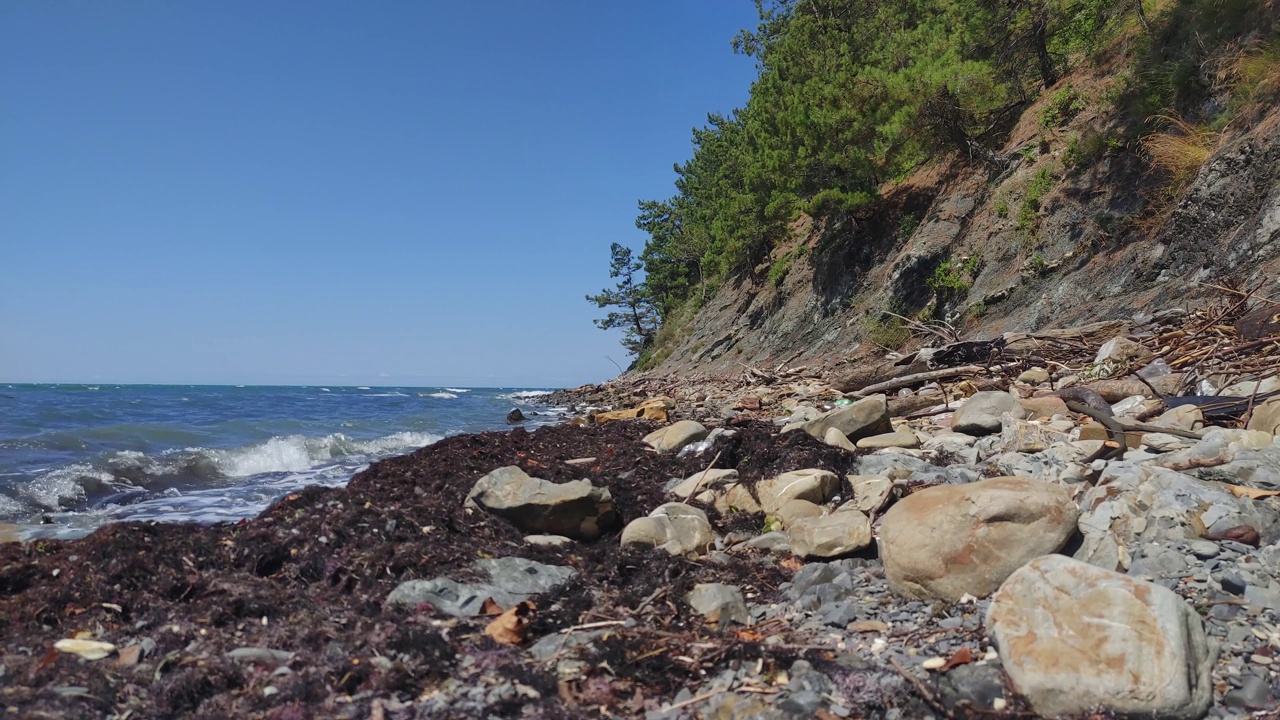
637,314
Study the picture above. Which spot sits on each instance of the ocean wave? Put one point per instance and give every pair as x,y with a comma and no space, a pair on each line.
441,395
387,394
129,476
458,390
524,394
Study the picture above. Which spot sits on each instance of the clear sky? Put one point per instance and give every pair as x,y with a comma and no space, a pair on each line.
399,193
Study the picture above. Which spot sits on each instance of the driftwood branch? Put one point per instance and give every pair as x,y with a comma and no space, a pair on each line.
906,380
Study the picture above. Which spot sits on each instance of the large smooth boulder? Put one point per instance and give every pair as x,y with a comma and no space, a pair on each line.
830,536
576,509
868,416
949,540
675,436
812,484
675,527
981,414
1075,638
511,580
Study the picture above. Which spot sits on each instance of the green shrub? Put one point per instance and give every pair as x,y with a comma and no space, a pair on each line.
1064,104
1082,152
887,331
1029,213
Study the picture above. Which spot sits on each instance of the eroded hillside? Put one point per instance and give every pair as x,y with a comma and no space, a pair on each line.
1094,207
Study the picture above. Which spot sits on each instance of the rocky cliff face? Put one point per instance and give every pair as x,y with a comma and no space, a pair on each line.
1102,239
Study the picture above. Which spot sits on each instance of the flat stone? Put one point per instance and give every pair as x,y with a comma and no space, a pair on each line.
575,509
1034,376
1075,639
797,510
1204,549
830,536
980,414
719,603
901,438
548,540
511,581
868,416
1044,407
870,492
812,484
675,436
709,484
951,540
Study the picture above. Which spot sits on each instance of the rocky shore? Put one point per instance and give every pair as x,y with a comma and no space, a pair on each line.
1021,540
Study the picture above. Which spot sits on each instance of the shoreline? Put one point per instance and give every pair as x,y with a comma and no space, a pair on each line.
366,601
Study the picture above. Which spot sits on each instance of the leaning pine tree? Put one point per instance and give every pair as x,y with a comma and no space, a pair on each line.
636,314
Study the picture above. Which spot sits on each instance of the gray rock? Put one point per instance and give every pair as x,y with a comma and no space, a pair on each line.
575,509
980,414
900,438
796,511
704,480
1204,549
1155,561
868,416
675,527
511,581
977,686
1149,503
1034,376
676,436
775,541
1075,638
835,438
1267,595
870,492
1254,693
834,535
266,656
816,486
719,603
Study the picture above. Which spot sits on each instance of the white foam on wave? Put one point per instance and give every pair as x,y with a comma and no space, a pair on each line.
298,453
458,390
524,394
364,387
441,395
325,390
65,485
130,471
390,394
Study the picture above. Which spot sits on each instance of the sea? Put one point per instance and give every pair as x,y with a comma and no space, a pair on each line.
73,457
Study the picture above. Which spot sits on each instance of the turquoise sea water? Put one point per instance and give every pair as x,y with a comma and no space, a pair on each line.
75,456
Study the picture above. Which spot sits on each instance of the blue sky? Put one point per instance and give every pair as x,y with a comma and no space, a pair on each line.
393,193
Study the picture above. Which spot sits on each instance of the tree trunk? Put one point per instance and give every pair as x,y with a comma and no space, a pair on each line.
1040,36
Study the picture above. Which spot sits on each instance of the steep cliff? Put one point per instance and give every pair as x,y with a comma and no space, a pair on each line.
1078,226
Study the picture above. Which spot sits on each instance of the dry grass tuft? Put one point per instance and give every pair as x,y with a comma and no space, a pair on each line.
1180,149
